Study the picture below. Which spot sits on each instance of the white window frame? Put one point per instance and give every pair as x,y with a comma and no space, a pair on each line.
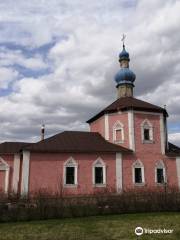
99,163
118,126
5,167
147,125
71,163
160,165
138,164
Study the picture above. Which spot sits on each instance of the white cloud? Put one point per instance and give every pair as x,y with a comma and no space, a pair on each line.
84,59
12,57
7,76
174,138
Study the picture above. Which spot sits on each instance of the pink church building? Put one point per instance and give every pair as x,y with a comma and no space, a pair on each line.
126,148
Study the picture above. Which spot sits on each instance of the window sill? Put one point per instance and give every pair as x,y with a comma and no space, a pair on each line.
161,184
118,142
70,185
99,185
139,184
147,141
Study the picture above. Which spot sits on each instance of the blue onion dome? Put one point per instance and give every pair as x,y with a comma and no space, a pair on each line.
124,55
125,76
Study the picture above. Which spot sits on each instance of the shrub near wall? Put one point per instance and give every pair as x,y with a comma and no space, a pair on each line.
44,205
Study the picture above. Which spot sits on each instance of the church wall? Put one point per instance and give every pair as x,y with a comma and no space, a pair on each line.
149,154
149,161
145,148
122,118
46,172
98,126
2,181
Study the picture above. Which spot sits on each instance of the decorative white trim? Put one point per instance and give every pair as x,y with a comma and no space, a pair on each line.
106,126
138,164
118,126
115,113
147,125
178,170
119,177
3,164
16,170
131,130
162,134
160,165
149,113
70,163
5,167
25,173
99,163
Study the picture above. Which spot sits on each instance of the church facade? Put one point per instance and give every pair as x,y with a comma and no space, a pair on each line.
126,148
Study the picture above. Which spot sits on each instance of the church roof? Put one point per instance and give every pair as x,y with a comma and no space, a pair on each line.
76,142
173,150
126,103
11,147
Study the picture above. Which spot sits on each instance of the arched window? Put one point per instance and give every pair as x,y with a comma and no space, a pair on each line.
4,167
118,132
99,172
160,172
138,172
146,131
70,172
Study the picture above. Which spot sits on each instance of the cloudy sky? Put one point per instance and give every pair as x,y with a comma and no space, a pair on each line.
58,59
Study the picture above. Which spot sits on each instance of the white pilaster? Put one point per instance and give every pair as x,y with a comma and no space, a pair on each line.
119,172
131,130
106,126
25,173
162,134
16,170
6,180
178,170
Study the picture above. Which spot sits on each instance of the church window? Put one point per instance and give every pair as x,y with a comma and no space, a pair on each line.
138,172
146,132
70,172
160,173
138,175
99,173
118,132
70,175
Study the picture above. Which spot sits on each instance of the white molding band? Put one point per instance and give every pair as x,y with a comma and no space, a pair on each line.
25,173
131,130
106,126
16,170
178,170
162,134
119,172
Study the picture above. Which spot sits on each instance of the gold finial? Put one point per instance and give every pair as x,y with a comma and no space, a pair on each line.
123,39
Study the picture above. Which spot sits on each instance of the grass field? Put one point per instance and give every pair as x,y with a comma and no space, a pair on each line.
112,227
